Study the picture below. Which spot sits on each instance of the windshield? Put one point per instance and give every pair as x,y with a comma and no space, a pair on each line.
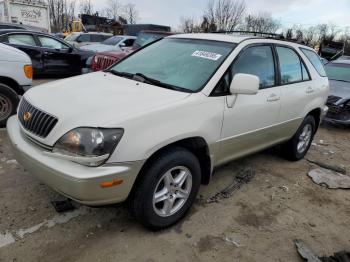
339,72
184,63
71,37
114,40
146,38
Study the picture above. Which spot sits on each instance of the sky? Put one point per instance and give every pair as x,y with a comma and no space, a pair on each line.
288,12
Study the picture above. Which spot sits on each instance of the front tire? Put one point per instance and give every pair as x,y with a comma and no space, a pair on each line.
8,103
297,147
167,189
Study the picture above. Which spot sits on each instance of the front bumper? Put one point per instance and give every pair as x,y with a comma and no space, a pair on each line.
73,180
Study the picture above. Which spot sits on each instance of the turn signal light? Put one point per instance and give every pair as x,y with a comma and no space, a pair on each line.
111,183
28,71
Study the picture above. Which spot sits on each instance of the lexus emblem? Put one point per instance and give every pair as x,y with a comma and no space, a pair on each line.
27,116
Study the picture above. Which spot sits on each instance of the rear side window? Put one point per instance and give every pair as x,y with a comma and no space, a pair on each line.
290,66
21,39
257,60
314,60
84,38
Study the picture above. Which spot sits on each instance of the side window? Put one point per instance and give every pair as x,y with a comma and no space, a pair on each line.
290,65
129,42
84,38
257,60
49,42
21,39
306,75
223,87
314,60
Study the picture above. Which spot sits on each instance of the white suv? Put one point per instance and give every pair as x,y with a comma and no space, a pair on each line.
16,73
152,127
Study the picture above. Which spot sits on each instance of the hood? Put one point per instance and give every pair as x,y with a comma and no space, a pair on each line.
11,54
340,89
101,48
98,99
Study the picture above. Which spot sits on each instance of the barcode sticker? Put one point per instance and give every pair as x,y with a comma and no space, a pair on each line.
207,55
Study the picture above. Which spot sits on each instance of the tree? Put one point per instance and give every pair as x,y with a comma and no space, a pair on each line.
262,22
114,9
86,7
225,14
189,25
61,13
130,13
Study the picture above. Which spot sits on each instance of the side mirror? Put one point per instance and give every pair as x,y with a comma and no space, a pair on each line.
70,49
245,84
122,45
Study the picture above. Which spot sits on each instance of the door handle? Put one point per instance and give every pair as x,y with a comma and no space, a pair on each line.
47,53
309,90
273,98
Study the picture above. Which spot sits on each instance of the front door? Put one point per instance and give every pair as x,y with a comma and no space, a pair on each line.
250,120
58,57
26,43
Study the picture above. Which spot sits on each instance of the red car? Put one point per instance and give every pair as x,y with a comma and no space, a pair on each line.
104,60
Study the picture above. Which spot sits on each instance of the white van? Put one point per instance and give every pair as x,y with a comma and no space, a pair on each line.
16,74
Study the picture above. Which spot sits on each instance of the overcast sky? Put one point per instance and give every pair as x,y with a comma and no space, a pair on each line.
305,12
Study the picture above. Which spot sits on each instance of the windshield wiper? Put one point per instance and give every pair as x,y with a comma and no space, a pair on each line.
160,83
121,74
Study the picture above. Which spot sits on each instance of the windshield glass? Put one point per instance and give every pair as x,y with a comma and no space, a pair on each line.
72,37
114,40
339,72
184,63
146,38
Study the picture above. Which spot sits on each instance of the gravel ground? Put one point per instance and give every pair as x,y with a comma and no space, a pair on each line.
257,223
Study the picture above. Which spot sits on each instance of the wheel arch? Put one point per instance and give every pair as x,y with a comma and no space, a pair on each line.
196,145
316,114
12,84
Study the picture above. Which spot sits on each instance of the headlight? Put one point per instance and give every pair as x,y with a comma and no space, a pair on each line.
88,146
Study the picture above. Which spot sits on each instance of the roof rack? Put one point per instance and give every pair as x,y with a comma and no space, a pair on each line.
261,34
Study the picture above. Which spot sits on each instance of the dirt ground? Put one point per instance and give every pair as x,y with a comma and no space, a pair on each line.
257,223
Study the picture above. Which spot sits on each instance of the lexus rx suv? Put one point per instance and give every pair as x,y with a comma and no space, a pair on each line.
152,127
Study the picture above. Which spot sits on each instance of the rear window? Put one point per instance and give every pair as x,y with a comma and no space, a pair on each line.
314,60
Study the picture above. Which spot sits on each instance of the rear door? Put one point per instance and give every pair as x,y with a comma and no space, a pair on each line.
296,87
250,120
58,57
27,43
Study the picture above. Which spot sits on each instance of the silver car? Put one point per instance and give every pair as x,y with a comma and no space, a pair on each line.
114,43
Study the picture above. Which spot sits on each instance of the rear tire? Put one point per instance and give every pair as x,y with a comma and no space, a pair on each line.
297,147
167,190
8,103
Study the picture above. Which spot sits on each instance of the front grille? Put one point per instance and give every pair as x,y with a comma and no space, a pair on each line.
104,62
37,122
334,109
333,99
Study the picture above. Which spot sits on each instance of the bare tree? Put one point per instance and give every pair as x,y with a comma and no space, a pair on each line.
86,7
225,14
61,12
189,25
114,9
130,13
262,22
310,35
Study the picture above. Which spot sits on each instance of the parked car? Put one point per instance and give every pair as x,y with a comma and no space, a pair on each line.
49,55
114,43
338,72
103,60
16,75
81,39
152,128
22,27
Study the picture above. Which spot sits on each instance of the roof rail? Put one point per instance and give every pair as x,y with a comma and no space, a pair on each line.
261,34
264,35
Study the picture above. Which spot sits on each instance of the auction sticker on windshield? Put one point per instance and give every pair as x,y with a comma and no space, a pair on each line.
207,55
